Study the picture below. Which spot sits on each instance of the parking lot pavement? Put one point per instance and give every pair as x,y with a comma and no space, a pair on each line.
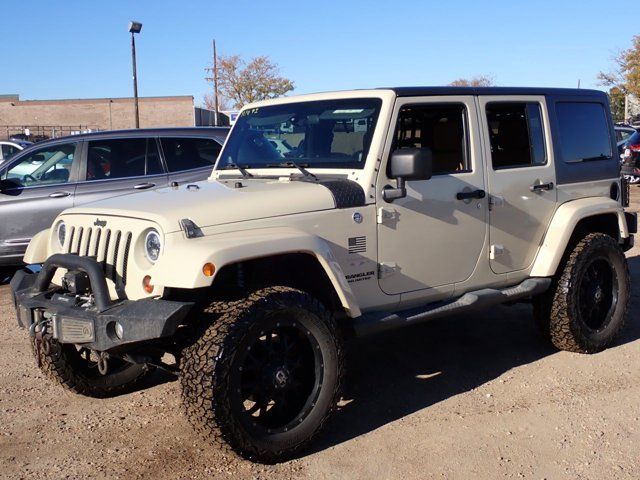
470,397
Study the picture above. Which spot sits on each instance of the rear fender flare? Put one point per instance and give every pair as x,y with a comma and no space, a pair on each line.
562,226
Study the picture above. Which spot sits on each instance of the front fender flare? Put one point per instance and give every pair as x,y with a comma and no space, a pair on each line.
181,264
38,248
562,226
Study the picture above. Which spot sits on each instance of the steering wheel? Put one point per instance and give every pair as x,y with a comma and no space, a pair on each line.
29,177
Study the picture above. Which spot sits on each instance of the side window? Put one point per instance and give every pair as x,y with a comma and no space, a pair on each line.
584,131
122,158
439,127
189,153
8,151
45,166
516,134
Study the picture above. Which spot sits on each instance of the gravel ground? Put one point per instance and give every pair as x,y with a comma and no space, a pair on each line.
480,398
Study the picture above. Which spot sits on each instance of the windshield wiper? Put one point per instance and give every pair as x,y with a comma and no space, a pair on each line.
300,167
242,170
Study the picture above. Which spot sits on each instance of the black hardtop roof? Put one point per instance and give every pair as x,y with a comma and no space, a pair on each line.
218,132
448,90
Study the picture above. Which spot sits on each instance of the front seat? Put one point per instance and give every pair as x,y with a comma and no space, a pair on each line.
447,147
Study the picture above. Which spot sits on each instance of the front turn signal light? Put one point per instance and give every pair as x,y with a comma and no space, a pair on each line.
208,269
146,284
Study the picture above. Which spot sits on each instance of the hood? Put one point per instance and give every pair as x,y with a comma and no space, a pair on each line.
217,202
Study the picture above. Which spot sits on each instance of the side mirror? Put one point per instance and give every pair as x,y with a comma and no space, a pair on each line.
408,164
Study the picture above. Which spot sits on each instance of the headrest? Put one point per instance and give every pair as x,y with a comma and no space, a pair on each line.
447,137
513,134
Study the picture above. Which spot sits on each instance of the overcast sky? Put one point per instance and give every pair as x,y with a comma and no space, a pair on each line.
76,49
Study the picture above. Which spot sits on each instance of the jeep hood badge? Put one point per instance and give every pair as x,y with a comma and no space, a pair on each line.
100,223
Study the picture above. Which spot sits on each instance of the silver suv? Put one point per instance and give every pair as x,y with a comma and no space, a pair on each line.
37,185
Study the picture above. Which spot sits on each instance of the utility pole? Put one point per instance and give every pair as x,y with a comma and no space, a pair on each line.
214,79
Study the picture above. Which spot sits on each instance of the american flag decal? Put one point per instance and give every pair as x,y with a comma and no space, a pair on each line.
357,244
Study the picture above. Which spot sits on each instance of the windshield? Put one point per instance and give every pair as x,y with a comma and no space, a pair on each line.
321,134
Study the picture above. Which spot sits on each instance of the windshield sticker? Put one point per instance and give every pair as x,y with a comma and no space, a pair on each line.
352,110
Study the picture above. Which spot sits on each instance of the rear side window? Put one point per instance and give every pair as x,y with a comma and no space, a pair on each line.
122,158
189,153
584,131
516,133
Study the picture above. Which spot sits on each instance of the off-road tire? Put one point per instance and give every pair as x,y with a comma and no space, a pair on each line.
207,367
557,312
62,364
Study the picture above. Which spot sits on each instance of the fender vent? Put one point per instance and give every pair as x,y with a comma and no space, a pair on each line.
357,244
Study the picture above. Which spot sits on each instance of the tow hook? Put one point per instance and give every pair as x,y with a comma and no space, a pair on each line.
103,363
41,343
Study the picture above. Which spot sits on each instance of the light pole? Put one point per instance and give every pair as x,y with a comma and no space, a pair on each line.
135,27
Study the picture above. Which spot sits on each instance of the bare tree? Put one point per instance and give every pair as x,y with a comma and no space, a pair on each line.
626,73
210,103
242,82
477,81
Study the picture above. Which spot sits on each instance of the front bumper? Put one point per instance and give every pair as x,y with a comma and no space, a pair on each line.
103,326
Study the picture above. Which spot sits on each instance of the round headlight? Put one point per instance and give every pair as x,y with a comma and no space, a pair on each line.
152,245
61,230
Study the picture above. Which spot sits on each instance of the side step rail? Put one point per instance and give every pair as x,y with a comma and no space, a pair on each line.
375,323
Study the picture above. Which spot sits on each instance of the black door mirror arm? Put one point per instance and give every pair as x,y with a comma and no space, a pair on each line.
389,194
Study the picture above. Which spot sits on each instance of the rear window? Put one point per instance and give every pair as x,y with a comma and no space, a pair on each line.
584,131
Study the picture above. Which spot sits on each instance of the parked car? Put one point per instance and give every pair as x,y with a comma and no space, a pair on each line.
442,201
8,150
622,135
21,142
631,159
39,183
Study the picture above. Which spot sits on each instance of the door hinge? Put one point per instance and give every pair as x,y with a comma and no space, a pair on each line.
386,269
386,215
495,251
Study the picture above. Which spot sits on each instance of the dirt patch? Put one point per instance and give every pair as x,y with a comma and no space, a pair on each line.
469,397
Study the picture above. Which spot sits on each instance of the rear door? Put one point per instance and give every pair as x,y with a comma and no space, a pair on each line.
36,187
119,166
190,159
521,178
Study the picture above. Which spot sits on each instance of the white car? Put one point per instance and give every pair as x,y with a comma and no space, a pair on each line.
397,207
8,150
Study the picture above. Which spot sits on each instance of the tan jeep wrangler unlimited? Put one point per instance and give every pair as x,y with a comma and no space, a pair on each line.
349,212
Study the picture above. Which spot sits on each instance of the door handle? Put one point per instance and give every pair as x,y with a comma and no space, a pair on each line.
59,194
541,186
144,186
472,194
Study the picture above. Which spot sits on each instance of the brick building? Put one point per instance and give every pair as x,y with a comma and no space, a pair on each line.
54,118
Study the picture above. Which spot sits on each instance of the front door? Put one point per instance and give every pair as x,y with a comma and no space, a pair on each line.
36,187
434,236
521,179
